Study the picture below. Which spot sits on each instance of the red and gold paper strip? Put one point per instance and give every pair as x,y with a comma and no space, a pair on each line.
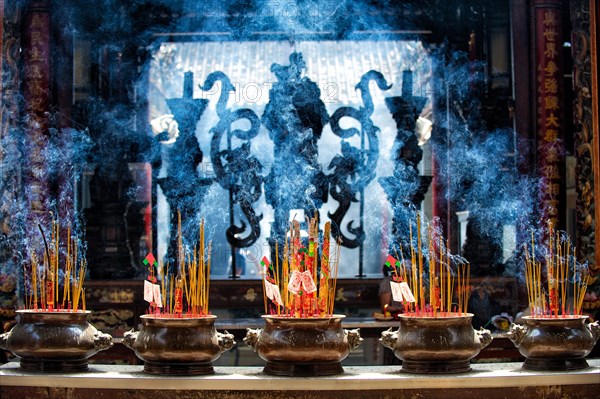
36,93
550,107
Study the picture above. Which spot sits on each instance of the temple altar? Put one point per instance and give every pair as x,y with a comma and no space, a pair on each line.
494,381
330,148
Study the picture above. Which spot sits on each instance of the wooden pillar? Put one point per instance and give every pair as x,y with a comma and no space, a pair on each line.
549,116
10,167
583,110
522,75
595,55
62,58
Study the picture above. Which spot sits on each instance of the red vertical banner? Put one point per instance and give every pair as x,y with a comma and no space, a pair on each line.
550,107
36,93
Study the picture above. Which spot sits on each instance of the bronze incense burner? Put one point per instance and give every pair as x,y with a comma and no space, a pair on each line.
436,344
178,345
54,341
555,343
302,347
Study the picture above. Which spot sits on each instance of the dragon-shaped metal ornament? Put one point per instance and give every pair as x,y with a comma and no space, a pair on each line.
354,169
405,189
236,169
295,117
182,187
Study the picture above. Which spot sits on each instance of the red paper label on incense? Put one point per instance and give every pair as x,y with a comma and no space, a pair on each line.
148,291
268,289
50,293
406,292
396,291
178,300
308,283
276,294
157,295
295,282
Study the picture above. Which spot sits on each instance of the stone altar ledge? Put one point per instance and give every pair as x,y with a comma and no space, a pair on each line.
492,380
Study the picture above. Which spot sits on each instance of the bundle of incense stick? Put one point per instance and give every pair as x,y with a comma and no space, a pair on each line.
448,284
304,285
185,293
56,284
561,271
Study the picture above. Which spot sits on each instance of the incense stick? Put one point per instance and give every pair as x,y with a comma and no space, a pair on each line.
448,275
556,272
306,287
46,288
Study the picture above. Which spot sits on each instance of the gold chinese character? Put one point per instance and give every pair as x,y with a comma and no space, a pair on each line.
553,209
36,38
550,34
552,189
36,21
552,120
551,135
35,88
550,51
550,85
551,69
549,18
551,102
37,105
553,153
34,72
551,172
36,55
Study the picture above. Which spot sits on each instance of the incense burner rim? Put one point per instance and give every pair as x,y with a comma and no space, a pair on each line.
302,319
556,318
438,317
56,311
155,317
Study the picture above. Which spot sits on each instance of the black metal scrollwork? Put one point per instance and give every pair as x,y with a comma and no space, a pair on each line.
236,170
182,187
356,165
405,189
295,117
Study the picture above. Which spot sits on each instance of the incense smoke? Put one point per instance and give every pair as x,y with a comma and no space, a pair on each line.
481,172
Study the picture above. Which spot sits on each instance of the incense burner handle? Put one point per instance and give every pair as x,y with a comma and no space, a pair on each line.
516,333
129,338
252,336
4,340
484,336
593,327
389,338
225,341
102,341
354,338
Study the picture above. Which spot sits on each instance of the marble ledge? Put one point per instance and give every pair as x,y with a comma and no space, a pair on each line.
483,375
